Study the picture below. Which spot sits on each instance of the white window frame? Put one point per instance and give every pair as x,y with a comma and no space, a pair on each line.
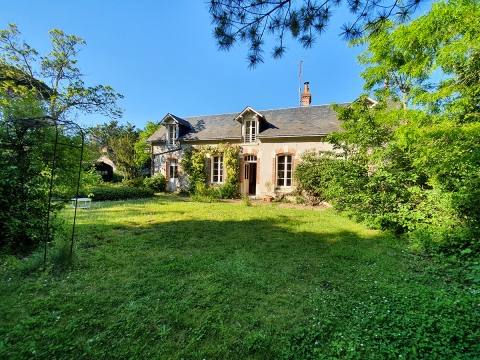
250,131
217,174
173,169
172,134
284,174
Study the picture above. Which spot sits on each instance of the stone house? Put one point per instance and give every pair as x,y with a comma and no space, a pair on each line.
271,142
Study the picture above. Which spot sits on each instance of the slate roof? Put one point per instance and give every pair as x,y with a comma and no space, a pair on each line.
291,122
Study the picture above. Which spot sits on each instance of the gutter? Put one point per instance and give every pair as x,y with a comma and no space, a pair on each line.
290,135
209,139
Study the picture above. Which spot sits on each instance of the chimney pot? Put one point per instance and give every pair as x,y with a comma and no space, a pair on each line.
306,96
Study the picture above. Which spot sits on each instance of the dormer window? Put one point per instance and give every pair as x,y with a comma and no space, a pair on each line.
250,120
250,131
172,134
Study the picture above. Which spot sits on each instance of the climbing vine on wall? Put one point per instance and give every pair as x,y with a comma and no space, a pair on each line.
194,163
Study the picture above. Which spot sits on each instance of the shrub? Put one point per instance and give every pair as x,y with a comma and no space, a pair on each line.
103,193
226,191
117,178
246,201
156,183
133,183
203,193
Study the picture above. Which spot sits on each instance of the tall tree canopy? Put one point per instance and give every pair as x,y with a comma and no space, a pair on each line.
415,169
143,150
249,21
55,77
39,160
123,144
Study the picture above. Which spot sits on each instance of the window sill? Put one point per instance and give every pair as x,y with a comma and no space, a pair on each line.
249,143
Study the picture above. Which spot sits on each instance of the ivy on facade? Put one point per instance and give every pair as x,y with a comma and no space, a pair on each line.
194,163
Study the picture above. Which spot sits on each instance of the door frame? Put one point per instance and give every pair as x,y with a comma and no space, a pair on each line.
173,177
250,170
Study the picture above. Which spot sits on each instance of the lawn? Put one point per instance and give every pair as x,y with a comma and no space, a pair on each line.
168,278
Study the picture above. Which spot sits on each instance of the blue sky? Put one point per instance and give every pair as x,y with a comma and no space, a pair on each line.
162,57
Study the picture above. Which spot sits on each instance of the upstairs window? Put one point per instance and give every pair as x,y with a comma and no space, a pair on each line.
217,169
250,134
284,171
172,134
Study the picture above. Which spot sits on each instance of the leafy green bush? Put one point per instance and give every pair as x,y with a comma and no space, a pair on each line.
26,154
246,200
210,193
326,176
226,191
133,183
203,192
193,164
156,183
117,178
103,193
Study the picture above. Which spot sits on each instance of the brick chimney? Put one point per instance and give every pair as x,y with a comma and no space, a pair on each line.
306,96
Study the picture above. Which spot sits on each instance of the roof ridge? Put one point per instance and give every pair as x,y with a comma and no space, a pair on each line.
238,112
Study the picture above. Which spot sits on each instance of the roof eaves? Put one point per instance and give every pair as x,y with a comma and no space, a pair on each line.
214,138
290,135
182,121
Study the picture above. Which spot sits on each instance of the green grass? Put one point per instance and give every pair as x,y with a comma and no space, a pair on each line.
167,278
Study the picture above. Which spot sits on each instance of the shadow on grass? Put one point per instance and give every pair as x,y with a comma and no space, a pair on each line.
223,281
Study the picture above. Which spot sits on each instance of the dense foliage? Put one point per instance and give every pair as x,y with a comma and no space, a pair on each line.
411,164
104,193
38,97
54,77
194,164
123,144
123,147
27,157
157,183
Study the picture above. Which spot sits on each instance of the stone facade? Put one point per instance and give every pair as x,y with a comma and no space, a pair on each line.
272,143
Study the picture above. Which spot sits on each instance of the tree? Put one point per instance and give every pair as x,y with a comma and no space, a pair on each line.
100,138
36,158
250,21
389,72
64,94
123,148
124,145
143,150
37,95
420,176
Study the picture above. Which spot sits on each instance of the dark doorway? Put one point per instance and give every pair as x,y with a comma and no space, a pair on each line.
105,170
252,181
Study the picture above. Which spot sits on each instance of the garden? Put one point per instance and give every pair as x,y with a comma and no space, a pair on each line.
170,278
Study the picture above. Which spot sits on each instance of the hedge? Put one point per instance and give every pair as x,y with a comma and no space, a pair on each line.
103,193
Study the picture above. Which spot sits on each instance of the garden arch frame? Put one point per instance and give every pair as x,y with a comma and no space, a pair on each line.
68,127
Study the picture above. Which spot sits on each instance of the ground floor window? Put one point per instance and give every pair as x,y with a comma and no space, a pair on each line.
217,169
173,171
284,171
